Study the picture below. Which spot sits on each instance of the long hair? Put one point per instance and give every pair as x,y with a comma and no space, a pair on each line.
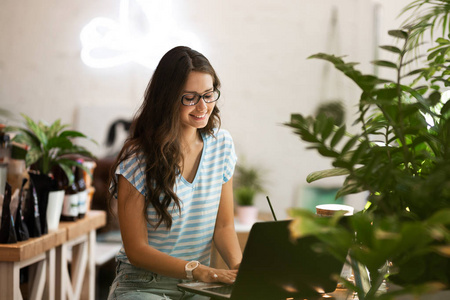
156,127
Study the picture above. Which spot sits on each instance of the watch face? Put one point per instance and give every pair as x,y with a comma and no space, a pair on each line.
192,264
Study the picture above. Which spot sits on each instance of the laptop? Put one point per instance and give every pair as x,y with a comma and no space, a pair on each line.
274,267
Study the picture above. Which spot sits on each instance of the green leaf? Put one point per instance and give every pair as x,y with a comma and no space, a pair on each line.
359,151
68,171
421,89
434,98
36,130
326,173
32,156
441,217
337,136
391,49
445,108
349,144
72,134
385,63
77,150
53,129
328,128
347,190
28,138
419,98
386,94
433,54
323,150
398,34
67,164
58,142
442,41
414,72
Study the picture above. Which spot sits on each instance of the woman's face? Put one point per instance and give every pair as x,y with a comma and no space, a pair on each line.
197,116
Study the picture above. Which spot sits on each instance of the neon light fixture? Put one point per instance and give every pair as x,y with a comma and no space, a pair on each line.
109,43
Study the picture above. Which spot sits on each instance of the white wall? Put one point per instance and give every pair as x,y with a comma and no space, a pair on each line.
258,47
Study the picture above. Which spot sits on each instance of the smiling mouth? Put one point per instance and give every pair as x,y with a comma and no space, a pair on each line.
199,117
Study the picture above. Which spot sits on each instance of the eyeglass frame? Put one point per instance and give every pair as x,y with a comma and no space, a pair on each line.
198,97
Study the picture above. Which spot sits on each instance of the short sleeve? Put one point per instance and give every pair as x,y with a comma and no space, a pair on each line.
230,157
132,169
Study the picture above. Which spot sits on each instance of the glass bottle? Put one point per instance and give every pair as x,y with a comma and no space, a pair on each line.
71,202
82,192
5,154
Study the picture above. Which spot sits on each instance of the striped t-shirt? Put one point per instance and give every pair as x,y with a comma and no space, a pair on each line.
191,234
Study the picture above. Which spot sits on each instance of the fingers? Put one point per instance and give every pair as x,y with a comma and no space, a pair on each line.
213,276
224,276
216,275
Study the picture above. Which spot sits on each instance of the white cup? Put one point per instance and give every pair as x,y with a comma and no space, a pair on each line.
54,208
330,209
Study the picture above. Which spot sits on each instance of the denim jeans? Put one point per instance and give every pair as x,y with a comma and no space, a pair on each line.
132,283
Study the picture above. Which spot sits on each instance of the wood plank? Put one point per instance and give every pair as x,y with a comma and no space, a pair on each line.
49,289
67,230
38,284
94,219
10,280
24,250
60,236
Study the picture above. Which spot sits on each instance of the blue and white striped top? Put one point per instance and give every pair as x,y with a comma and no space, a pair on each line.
191,234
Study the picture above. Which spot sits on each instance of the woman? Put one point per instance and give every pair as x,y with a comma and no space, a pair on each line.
173,183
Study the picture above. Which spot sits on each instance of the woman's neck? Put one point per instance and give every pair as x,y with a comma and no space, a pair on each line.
190,138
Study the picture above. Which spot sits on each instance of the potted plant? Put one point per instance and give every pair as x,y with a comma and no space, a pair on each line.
50,148
248,183
401,157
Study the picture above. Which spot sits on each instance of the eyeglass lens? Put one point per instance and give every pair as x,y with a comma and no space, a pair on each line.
194,98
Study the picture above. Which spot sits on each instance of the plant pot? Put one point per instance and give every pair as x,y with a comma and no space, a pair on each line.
247,215
54,208
43,184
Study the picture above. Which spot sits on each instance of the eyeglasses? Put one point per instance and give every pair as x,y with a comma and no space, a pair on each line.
193,98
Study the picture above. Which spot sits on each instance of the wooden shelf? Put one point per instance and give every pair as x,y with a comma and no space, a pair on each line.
34,246
47,256
94,219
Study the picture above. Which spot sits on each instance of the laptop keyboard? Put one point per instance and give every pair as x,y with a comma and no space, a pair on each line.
224,290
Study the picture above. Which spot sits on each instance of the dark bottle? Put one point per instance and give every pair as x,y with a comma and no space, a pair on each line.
71,203
7,231
82,192
60,180
5,155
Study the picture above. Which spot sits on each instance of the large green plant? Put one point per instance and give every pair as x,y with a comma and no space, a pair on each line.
50,145
401,157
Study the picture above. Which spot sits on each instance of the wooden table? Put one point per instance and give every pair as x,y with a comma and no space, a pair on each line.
37,253
46,256
80,281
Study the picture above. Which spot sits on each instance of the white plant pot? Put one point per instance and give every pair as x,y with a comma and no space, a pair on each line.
54,208
247,215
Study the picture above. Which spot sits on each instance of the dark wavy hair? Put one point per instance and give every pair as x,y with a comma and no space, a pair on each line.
155,130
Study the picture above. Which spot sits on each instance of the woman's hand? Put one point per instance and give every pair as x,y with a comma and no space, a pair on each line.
207,274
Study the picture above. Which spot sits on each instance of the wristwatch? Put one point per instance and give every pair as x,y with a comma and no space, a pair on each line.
189,267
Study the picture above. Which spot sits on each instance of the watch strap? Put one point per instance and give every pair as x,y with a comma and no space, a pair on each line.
190,267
